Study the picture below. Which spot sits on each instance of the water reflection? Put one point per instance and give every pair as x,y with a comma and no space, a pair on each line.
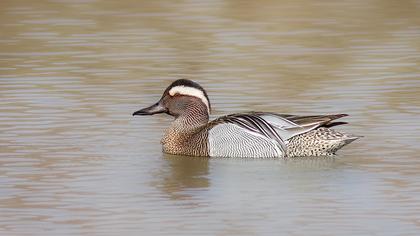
181,175
74,161
319,163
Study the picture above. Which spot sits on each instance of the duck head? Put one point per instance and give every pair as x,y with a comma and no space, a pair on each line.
181,97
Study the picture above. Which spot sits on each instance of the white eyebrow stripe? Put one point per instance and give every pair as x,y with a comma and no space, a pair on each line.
190,91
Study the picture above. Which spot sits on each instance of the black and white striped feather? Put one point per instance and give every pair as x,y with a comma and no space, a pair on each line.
272,127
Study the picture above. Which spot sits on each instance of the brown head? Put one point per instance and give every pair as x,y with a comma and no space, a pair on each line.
188,102
180,98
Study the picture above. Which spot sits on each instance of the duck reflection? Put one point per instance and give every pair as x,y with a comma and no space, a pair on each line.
312,163
182,175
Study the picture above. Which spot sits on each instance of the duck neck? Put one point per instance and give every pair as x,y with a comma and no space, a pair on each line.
195,117
185,136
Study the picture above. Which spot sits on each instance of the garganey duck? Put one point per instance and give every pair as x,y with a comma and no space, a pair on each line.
250,134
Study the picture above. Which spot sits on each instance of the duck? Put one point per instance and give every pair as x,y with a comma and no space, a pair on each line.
243,135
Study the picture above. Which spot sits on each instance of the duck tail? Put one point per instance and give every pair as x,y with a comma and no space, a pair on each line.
344,140
348,138
319,142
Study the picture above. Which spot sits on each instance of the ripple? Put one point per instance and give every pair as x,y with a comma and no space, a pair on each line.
74,161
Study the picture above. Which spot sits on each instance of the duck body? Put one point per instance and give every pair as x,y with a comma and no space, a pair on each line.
249,134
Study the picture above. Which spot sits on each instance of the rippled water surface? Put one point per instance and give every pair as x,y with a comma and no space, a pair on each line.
73,161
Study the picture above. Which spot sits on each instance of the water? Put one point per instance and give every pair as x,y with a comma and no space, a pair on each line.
73,161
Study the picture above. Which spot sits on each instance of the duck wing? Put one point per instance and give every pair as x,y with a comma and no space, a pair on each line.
279,127
321,120
253,123
259,134
289,126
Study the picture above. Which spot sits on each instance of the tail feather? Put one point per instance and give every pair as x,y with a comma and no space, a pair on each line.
322,120
332,124
351,138
319,142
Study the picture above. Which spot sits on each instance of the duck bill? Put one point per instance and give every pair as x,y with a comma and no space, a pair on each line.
153,109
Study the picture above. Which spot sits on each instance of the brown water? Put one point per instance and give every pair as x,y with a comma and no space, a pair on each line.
73,161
